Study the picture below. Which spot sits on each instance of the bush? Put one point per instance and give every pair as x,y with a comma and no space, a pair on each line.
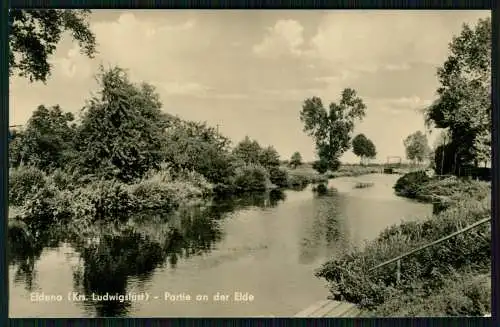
463,295
427,270
109,200
62,180
321,189
40,207
155,194
278,176
409,184
24,182
251,177
297,180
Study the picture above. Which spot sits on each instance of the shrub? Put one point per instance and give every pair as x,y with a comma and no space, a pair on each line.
24,182
62,180
321,189
297,180
251,177
109,200
409,184
39,207
467,294
278,176
431,268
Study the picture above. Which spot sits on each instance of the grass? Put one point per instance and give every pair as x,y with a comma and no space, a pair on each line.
94,200
450,278
354,171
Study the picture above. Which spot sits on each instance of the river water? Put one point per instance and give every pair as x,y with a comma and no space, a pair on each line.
260,251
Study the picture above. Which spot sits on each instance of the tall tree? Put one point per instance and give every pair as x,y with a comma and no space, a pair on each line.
417,147
122,129
463,105
248,150
363,148
296,160
269,157
332,129
34,35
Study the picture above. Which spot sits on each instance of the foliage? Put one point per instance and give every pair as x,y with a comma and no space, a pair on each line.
248,151
419,186
332,129
464,97
427,270
444,159
467,294
417,147
197,147
121,133
269,157
296,160
278,176
363,147
24,182
46,142
321,166
408,185
34,35
354,170
251,177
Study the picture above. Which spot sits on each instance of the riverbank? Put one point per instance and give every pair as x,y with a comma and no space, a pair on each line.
432,281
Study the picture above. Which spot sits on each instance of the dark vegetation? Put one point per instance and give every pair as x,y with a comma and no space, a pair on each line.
451,278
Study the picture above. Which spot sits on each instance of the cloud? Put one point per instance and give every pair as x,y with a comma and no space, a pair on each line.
178,88
398,105
284,38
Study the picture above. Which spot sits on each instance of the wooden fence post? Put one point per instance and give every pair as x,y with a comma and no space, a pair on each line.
398,272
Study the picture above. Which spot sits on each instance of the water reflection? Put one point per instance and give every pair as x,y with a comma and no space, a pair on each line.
24,248
325,233
258,243
115,254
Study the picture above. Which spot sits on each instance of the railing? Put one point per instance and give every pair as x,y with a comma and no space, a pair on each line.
398,258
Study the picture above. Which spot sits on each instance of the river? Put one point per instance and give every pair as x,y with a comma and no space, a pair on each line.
266,247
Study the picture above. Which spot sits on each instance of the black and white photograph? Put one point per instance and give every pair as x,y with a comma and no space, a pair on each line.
249,163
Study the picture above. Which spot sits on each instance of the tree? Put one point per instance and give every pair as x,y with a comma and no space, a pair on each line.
296,160
463,105
122,129
363,148
47,140
269,157
332,129
34,35
248,150
417,147
198,147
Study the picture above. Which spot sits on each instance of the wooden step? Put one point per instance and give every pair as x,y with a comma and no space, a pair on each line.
339,310
329,308
311,309
325,311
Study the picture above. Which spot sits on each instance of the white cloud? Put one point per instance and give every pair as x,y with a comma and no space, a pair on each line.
177,88
366,41
284,38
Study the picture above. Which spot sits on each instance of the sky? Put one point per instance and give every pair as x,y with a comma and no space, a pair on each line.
250,71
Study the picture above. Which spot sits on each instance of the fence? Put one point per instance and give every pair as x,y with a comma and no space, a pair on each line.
399,258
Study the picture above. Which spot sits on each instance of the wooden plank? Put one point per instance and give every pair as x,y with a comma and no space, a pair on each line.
338,310
311,309
353,312
326,309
